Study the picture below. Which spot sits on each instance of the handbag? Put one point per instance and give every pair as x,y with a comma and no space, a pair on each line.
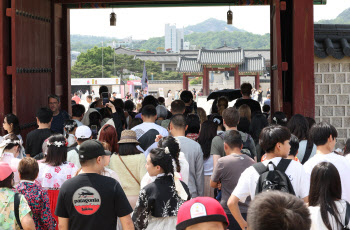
17,201
128,169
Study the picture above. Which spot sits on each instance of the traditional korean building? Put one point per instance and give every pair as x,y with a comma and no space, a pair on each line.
221,60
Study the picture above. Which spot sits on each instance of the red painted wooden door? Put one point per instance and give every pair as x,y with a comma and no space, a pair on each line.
276,58
31,67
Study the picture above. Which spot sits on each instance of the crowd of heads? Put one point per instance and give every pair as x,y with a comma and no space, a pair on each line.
113,124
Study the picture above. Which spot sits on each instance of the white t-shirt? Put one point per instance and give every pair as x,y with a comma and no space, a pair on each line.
73,157
249,178
340,163
316,218
347,157
147,131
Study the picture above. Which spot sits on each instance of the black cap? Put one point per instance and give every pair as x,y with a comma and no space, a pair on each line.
91,149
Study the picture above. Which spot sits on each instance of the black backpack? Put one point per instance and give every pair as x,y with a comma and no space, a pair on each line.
274,179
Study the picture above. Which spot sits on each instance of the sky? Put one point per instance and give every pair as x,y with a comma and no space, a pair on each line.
144,23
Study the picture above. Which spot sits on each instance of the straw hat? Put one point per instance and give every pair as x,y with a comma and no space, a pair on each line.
128,136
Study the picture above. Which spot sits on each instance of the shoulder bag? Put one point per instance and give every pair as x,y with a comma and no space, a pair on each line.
128,169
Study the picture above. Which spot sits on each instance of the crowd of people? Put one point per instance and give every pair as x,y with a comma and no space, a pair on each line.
116,166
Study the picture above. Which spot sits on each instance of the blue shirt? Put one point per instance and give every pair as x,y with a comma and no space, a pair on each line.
267,102
58,121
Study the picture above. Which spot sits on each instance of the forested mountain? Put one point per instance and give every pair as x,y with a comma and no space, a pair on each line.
210,34
210,25
209,40
343,18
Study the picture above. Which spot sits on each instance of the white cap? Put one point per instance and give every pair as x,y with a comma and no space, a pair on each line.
83,132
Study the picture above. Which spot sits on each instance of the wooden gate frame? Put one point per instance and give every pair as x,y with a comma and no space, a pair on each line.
294,57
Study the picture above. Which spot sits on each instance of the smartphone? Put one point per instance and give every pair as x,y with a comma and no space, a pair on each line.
105,98
94,131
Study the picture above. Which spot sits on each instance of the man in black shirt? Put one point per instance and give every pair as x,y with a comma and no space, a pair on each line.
36,138
59,116
90,200
246,90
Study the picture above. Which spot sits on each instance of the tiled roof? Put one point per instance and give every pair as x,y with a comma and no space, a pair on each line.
121,50
161,58
189,65
189,52
332,40
252,64
256,52
220,57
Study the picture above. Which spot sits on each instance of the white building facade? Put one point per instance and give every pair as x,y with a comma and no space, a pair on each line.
174,38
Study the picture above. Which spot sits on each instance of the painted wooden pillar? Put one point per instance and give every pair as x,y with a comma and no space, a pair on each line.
303,101
205,81
184,82
5,60
237,78
257,81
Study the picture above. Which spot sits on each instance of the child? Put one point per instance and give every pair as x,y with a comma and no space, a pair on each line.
159,201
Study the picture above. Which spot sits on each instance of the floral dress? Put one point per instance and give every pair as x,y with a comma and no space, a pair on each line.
39,203
158,205
7,213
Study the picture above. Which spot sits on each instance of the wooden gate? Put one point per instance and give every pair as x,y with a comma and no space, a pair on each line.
39,58
276,57
31,64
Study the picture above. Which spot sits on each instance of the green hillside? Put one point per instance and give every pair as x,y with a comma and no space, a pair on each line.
343,18
210,25
211,33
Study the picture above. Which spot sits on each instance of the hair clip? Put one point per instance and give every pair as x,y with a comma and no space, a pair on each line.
70,126
57,143
9,141
166,150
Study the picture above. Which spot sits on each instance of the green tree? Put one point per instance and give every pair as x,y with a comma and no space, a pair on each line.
89,65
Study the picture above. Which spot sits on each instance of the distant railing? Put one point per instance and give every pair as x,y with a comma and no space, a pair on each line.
165,81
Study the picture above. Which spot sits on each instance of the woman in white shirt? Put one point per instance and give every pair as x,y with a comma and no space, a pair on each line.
11,125
326,207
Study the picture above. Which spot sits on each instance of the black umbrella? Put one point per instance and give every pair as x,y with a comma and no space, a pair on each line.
231,94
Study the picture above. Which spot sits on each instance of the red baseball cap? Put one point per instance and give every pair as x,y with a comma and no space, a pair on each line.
6,170
199,210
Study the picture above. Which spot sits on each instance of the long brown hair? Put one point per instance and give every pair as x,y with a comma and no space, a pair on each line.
244,111
325,189
222,104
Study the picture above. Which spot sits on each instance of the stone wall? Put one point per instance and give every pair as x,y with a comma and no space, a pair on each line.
332,92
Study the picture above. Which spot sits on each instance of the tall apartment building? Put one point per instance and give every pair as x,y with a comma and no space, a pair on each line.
174,38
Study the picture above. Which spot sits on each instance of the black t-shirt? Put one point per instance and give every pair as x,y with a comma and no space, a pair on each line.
92,201
35,140
58,122
253,105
